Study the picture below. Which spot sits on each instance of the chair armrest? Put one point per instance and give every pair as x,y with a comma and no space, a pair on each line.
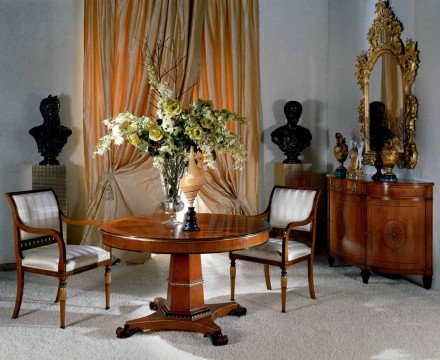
294,224
290,227
81,222
56,235
85,222
41,231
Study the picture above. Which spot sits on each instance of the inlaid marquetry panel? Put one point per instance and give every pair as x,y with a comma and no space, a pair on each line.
391,225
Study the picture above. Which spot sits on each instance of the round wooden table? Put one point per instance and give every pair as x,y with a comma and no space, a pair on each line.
185,308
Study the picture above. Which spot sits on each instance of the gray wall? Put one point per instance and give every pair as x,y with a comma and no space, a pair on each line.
293,58
41,46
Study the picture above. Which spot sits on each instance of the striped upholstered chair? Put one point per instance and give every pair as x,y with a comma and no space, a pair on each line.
289,209
40,247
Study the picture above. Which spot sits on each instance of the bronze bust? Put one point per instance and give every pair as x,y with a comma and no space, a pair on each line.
379,134
51,136
292,138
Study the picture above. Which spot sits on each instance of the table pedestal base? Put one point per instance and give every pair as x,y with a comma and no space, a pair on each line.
184,308
203,322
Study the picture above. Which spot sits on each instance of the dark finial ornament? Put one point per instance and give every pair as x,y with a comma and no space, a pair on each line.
51,136
379,135
292,138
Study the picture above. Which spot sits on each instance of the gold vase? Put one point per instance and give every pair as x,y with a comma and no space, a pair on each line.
389,159
190,184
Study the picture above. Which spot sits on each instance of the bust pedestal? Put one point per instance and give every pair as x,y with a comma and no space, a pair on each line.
295,175
52,176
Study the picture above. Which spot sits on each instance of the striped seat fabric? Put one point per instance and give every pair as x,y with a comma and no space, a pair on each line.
273,250
77,256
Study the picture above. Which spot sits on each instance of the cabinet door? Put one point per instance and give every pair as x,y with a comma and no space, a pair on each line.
396,234
347,227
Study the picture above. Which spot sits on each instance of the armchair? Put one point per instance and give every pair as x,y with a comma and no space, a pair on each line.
37,222
289,209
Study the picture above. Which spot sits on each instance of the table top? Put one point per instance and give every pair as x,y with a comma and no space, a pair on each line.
218,233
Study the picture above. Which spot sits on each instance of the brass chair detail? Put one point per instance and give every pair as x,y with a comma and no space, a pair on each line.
41,249
289,210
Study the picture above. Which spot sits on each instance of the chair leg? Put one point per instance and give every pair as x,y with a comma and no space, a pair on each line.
63,295
232,273
108,282
57,299
267,276
283,290
19,295
310,275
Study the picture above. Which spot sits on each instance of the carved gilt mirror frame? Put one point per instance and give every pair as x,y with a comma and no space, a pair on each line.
384,38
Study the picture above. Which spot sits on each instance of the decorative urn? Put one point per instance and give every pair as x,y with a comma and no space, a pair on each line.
190,184
389,159
341,153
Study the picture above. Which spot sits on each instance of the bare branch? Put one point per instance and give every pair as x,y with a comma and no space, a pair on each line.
153,105
188,89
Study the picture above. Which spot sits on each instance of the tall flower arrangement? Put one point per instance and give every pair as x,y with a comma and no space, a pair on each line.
176,128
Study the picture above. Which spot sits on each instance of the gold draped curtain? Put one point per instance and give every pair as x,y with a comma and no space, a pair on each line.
220,39
230,76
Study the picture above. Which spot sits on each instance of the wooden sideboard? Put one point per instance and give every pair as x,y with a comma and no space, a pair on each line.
382,227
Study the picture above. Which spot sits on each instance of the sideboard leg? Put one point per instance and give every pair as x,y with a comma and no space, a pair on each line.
331,260
427,281
365,275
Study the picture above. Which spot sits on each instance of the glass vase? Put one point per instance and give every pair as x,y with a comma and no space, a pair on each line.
172,173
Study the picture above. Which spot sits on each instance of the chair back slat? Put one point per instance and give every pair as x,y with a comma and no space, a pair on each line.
38,209
288,205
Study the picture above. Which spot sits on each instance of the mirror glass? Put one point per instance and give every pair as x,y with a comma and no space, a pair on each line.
385,86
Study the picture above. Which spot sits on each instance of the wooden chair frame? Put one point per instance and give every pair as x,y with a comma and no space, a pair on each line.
284,263
51,236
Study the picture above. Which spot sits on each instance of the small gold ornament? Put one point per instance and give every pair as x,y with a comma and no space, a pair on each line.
356,168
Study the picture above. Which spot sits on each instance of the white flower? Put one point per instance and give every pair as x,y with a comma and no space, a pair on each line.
168,125
116,131
164,90
119,140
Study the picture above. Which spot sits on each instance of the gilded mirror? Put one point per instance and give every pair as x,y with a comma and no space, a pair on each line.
385,74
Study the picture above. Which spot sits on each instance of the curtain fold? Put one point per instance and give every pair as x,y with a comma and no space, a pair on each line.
220,39
230,77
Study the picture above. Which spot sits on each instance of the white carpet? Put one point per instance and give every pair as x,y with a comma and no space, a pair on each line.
387,319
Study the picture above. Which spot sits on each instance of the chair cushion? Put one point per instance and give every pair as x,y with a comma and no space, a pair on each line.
77,256
38,210
272,250
290,205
